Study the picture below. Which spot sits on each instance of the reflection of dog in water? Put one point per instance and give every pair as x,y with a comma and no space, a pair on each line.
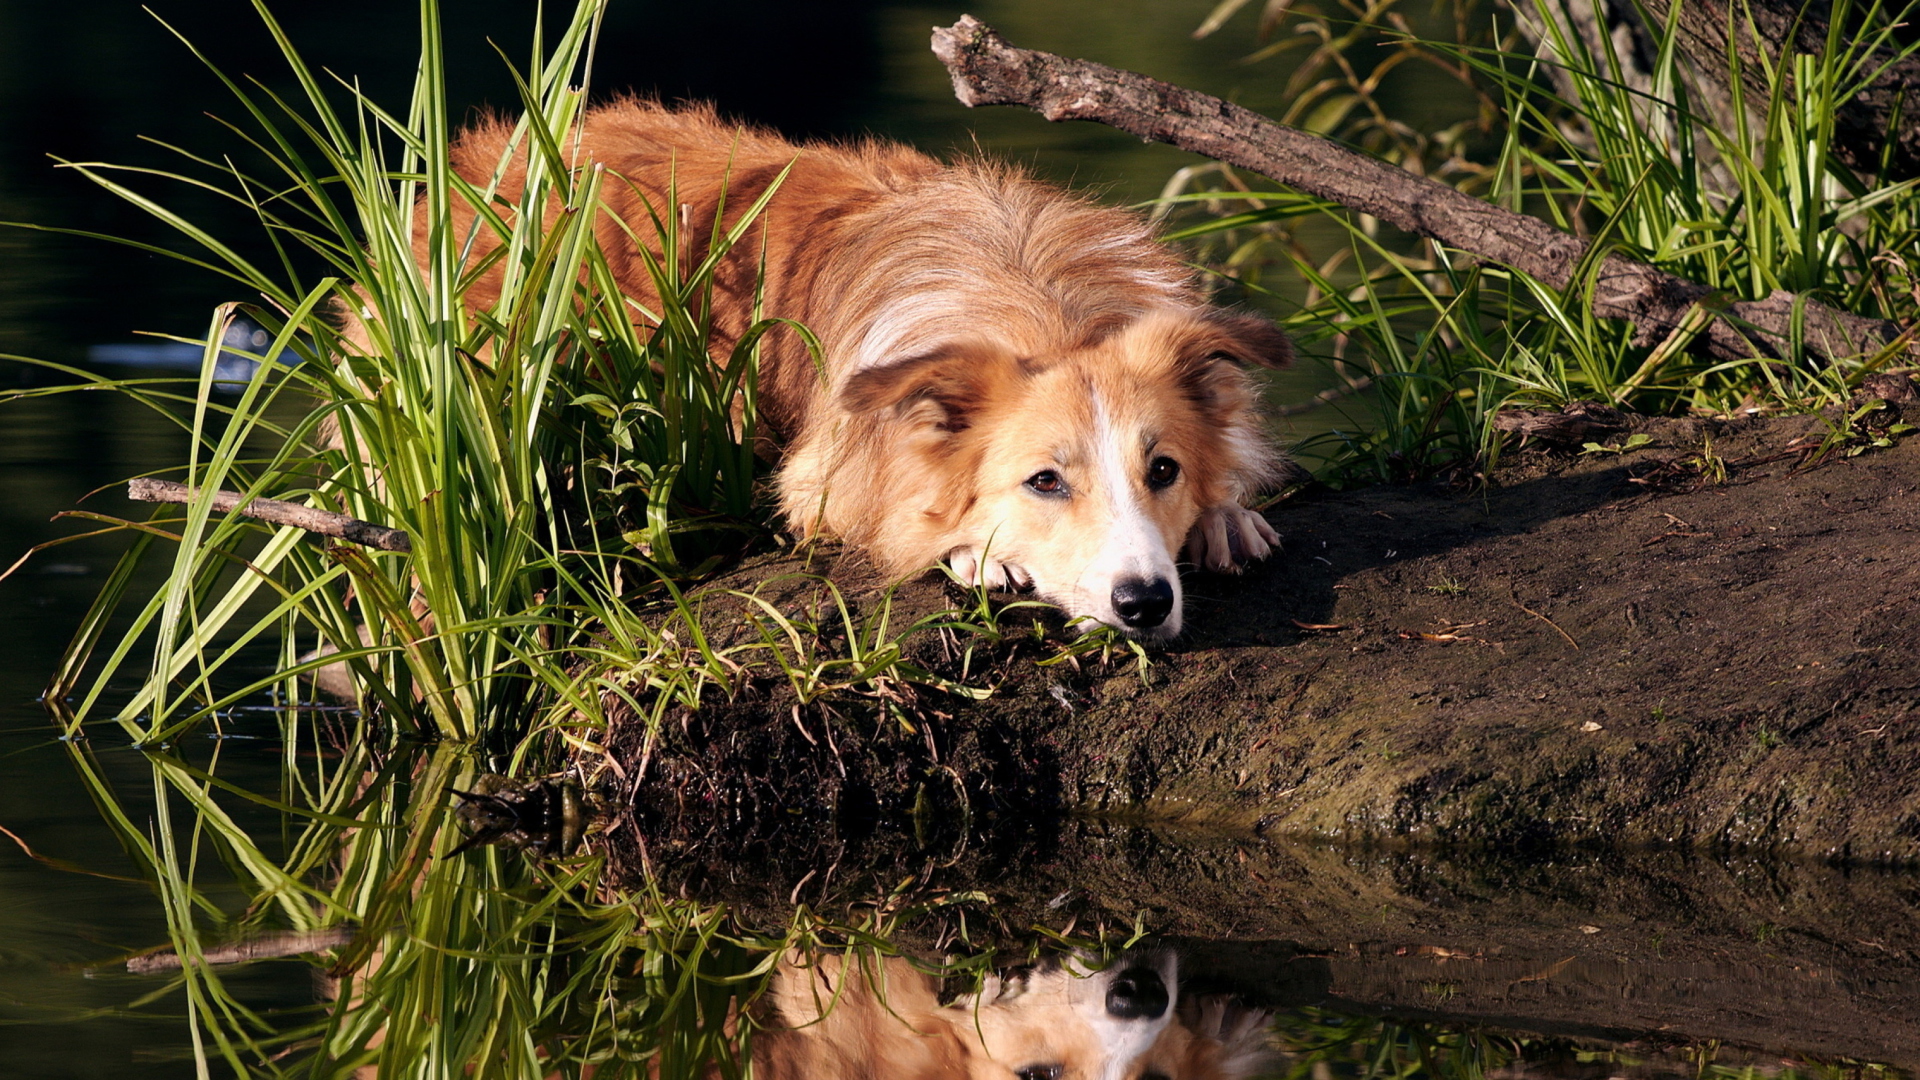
830,1018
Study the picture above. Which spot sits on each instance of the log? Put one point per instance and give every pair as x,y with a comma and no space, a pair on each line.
324,522
1634,648
988,71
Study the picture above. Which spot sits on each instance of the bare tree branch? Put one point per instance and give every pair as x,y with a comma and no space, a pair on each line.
324,522
988,71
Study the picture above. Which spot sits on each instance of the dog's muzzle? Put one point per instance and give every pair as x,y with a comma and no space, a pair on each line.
1137,992
1143,604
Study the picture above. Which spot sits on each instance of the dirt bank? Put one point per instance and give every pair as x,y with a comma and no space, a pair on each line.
1571,654
1552,755
1627,648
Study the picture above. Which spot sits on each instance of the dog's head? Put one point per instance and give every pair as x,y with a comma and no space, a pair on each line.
1081,470
1067,1022
1064,1020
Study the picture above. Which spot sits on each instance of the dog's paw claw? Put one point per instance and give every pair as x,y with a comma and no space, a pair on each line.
972,569
1228,537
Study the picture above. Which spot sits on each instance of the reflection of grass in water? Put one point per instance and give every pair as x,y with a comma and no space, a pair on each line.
485,961
1320,1044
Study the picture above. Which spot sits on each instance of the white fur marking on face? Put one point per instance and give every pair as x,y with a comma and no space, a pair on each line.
1125,1040
1133,546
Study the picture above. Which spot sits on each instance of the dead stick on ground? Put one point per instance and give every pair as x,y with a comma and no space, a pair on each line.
324,522
1544,619
988,71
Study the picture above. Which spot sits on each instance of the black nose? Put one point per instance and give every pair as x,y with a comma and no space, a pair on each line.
1143,604
1136,993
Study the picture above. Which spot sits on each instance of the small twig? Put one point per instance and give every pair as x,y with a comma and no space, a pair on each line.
1542,975
324,522
1544,619
1675,534
265,947
793,898
1300,689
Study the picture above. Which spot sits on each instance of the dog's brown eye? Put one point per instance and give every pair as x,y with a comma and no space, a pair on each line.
1047,482
1041,1072
1162,472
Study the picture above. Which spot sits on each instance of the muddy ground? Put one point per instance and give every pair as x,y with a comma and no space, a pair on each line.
1614,747
1605,647
1568,655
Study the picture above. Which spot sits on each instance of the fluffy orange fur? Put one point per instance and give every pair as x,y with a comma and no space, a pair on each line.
975,323
825,1019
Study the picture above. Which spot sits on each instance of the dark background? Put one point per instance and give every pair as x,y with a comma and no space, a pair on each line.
86,80
89,80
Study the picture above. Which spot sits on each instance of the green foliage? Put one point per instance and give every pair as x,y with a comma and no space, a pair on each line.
555,436
1629,444
1427,346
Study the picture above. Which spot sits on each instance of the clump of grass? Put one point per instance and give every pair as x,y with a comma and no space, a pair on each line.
1710,466
1428,346
555,447
566,459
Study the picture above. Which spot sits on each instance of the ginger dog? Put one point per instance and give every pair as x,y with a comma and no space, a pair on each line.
1016,380
826,1019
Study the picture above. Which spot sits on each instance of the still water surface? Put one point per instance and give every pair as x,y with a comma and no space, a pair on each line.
1468,967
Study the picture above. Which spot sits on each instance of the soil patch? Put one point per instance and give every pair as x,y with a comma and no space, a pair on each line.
1701,642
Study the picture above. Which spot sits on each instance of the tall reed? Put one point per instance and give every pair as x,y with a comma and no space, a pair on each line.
560,436
1429,344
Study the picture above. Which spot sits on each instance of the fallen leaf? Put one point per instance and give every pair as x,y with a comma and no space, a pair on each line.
1317,626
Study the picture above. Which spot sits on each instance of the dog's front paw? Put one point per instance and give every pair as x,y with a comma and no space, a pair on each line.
974,569
1237,1030
1228,537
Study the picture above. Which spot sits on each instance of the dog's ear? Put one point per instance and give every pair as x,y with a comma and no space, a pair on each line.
1249,339
943,389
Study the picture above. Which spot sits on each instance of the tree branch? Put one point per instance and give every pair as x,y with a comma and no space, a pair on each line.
324,522
988,71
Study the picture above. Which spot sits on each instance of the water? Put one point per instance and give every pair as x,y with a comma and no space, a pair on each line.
1565,964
